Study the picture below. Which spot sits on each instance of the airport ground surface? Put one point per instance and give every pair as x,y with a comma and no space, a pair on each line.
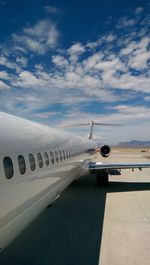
90,225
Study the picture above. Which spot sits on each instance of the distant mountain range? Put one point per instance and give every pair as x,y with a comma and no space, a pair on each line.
134,143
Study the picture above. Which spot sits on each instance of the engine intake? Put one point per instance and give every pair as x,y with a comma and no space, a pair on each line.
105,150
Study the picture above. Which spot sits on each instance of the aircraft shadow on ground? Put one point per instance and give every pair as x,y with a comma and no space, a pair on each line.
70,231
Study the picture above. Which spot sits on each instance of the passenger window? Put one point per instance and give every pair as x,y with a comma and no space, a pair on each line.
8,167
22,164
40,160
70,153
52,157
32,162
56,156
64,156
60,155
46,158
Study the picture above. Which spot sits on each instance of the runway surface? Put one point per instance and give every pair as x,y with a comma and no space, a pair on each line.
90,225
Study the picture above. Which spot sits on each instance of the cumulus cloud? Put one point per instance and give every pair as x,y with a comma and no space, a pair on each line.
126,22
75,51
110,37
131,111
38,38
4,75
5,62
137,54
22,61
3,86
123,114
60,61
13,64
28,80
77,48
140,61
112,69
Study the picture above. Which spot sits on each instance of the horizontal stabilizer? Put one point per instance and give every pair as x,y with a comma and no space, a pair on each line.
91,124
94,123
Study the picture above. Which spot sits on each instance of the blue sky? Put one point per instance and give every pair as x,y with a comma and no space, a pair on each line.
64,62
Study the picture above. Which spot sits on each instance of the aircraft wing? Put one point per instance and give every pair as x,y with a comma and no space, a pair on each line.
97,166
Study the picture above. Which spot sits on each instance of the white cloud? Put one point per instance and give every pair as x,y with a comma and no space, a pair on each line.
124,114
22,61
94,44
138,10
139,62
39,38
13,64
97,71
53,10
3,86
77,48
28,80
147,98
130,112
39,67
59,61
4,75
113,65
110,37
5,62
137,53
129,48
93,60
75,51
45,115
126,22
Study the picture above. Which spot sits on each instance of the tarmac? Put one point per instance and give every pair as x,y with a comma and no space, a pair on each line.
126,228
90,225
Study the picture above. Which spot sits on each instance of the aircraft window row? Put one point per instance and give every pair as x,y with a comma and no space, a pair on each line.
54,156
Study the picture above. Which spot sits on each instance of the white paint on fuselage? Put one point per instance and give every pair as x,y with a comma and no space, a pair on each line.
23,197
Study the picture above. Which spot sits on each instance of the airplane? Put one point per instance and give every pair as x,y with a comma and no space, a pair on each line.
37,163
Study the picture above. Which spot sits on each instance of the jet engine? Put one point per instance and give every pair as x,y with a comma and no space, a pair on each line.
105,150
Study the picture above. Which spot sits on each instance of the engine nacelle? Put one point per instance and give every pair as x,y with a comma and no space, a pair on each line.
105,150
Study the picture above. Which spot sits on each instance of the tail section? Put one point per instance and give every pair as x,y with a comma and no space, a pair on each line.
92,123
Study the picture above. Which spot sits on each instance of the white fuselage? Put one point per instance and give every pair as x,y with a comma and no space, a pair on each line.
36,164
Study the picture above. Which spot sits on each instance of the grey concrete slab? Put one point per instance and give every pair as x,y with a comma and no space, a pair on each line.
126,227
